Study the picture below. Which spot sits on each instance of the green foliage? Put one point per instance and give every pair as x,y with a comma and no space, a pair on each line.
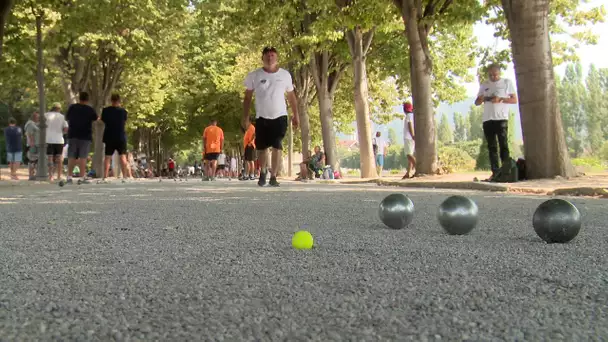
454,159
462,128
445,134
604,152
590,164
570,27
475,117
392,136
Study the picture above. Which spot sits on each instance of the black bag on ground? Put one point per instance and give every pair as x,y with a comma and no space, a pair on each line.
508,172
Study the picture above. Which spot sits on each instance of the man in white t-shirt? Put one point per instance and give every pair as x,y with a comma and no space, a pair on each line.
379,145
269,84
56,128
409,144
496,94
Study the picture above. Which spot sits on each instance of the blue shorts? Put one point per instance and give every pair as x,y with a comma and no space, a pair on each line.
14,157
379,160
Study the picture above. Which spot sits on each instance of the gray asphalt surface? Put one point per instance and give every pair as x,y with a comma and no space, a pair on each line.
213,261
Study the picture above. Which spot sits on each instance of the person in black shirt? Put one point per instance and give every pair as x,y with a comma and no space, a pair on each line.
80,118
114,136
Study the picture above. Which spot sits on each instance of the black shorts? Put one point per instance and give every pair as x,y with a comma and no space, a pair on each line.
249,153
120,146
211,156
270,132
53,150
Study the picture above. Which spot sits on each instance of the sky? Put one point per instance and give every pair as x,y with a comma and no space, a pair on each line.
592,54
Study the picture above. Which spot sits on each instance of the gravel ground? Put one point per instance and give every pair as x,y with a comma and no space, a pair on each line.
213,261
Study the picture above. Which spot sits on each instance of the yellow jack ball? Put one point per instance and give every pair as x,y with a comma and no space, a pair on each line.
302,240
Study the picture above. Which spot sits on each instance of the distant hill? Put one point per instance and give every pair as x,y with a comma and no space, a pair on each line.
444,107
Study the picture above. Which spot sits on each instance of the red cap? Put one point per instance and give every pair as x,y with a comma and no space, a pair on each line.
408,108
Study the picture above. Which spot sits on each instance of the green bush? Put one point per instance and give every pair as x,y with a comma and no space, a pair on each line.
454,159
603,154
589,163
470,147
353,172
395,172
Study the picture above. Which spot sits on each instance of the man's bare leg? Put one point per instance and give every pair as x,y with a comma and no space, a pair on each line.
32,169
263,161
82,164
277,161
51,167
59,164
107,162
71,163
213,168
125,169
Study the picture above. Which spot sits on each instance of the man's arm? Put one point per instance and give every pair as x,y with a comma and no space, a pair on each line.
293,103
512,99
479,99
246,106
410,126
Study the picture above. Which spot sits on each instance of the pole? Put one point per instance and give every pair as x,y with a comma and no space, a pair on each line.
42,169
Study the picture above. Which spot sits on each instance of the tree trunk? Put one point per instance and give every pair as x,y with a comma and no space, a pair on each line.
305,94
327,129
421,68
359,43
326,83
5,10
544,144
42,170
304,128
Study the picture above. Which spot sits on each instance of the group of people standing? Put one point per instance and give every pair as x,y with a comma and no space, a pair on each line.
77,124
271,85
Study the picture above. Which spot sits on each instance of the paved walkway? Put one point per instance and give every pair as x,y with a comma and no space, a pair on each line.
595,185
591,184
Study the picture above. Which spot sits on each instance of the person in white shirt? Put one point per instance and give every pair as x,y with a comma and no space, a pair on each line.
379,145
496,94
269,84
55,129
233,170
409,144
221,164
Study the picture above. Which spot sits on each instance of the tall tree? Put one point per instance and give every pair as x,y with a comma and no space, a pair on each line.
444,131
572,98
361,20
5,10
420,18
462,127
392,137
544,143
327,69
594,107
475,116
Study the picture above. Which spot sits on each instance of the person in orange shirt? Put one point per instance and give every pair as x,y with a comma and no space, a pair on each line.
249,144
213,144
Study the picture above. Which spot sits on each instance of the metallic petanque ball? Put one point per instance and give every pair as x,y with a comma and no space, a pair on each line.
458,215
396,211
557,221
